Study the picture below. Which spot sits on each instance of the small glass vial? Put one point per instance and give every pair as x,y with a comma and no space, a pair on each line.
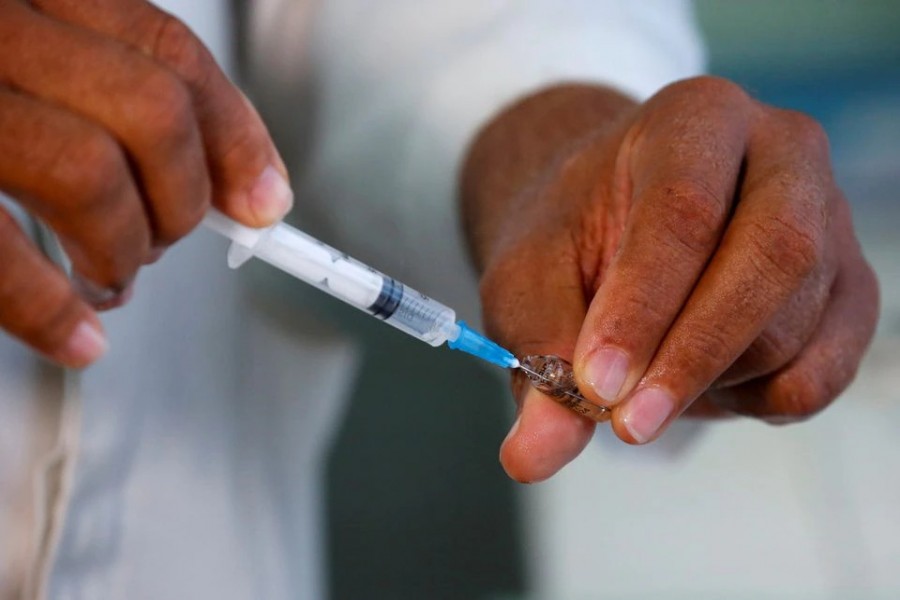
554,377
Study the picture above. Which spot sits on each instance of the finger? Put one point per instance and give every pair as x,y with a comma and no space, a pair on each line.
100,298
705,407
248,176
534,304
141,104
773,244
828,363
681,169
38,306
790,328
545,437
75,177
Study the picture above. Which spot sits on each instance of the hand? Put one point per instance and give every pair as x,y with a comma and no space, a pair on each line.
691,254
117,129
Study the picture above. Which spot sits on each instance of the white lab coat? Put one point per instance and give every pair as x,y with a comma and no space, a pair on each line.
187,463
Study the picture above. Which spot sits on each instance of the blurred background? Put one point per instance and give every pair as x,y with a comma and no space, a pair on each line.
420,508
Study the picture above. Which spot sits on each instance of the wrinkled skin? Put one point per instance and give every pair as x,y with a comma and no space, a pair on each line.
118,130
691,254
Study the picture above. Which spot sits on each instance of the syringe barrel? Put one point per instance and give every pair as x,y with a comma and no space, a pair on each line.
355,283
423,317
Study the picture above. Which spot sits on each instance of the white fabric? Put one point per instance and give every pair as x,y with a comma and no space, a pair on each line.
403,85
193,470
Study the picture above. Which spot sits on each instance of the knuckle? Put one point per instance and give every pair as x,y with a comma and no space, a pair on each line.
93,170
709,86
645,305
165,109
692,214
708,346
768,353
786,249
104,232
245,146
120,250
799,398
109,252
773,350
176,46
805,129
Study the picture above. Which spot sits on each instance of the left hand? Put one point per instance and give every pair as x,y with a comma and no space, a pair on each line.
691,254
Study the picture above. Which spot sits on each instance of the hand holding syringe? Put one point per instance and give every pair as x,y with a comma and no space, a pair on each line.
381,296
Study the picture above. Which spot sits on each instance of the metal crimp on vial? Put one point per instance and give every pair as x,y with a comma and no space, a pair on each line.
554,377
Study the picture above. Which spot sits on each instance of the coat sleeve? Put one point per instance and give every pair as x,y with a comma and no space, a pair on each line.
399,88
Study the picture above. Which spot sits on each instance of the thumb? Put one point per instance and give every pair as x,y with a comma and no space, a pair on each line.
534,303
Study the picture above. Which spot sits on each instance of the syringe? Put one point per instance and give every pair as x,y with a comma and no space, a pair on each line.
357,284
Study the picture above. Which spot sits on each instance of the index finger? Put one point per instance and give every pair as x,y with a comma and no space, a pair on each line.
681,169
249,178
776,242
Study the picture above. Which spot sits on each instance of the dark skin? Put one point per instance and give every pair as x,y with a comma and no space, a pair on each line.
118,130
691,254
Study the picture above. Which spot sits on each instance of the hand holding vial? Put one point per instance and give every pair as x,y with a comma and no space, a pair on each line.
691,254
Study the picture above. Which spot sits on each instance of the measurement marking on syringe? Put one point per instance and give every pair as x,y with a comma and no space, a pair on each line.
388,300
355,283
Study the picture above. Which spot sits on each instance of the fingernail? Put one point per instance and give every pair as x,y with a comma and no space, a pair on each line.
606,373
271,197
92,293
101,298
646,412
120,299
86,344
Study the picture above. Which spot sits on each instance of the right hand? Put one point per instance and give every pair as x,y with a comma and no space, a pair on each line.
117,130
